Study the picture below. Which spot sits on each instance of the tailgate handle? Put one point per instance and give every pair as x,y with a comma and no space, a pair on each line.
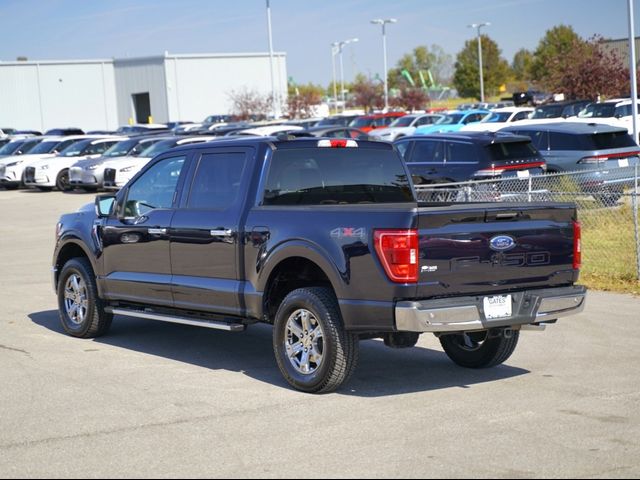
503,216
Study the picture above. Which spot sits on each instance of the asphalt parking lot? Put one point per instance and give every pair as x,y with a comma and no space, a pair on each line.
161,400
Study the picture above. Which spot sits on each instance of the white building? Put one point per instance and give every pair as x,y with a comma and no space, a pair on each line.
103,94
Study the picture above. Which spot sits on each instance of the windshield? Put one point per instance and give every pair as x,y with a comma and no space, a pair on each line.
403,121
495,117
598,110
120,149
10,148
554,111
75,149
158,148
44,147
450,119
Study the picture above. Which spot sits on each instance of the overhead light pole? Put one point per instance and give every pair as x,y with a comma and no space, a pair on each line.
274,100
384,22
334,51
341,46
634,76
478,26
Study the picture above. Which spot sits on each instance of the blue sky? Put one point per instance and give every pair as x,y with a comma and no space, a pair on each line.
63,29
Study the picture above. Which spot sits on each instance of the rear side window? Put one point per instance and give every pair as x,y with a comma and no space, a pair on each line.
332,176
501,152
428,151
605,141
217,181
564,141
458,152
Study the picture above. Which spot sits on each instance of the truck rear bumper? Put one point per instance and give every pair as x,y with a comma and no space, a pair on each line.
463,314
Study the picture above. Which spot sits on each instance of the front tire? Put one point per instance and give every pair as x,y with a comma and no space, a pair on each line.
62,182
314,352
80,309
480,349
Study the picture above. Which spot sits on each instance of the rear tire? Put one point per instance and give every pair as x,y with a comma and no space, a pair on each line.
480,349
314,352
80,309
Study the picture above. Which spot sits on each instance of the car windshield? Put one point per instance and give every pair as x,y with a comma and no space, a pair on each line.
75,149
450,119
10,148
120,149
44,147
554,111
402,121
512,151
598,110
158,148
496,117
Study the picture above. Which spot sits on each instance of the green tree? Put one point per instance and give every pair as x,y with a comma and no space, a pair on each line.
495,68
422,59
557,43
302,98
367,93
521,65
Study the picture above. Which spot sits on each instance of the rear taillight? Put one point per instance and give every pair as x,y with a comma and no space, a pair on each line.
500,169
337,143
597,159
577,246
398,253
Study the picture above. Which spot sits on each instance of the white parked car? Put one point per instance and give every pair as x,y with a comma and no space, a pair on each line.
53,172
11,162
404,126
118,172
270,130
616,112
499,118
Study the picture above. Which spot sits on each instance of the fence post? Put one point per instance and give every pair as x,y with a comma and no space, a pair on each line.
530,187
636,192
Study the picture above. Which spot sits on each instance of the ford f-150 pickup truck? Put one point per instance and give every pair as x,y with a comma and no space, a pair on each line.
323,239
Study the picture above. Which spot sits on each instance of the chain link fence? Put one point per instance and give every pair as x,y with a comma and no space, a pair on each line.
607,201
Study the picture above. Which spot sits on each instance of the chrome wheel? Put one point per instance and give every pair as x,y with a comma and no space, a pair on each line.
76,302
304,342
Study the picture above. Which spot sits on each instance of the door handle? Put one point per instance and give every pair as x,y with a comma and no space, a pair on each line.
157,231
221,233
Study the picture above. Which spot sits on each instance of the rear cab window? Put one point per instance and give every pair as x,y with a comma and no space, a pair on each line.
335,176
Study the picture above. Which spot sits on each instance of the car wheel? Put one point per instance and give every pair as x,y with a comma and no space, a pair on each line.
81,310
480,349
62,182
314,352
608,198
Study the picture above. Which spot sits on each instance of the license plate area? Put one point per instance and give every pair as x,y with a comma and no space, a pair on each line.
498,306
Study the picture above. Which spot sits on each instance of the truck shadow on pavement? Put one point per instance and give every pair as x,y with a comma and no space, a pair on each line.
381,371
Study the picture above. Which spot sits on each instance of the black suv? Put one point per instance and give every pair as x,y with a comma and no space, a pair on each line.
459,157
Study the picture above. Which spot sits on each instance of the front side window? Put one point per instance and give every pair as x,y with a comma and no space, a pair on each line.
155,188
216,184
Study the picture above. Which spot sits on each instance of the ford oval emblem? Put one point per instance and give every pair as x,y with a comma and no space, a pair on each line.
502,243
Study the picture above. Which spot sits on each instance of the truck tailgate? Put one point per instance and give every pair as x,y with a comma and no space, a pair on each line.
482,248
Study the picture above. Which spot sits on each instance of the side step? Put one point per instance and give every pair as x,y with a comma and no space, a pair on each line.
229,327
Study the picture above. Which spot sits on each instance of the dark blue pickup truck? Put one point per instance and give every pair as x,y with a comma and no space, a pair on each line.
323,239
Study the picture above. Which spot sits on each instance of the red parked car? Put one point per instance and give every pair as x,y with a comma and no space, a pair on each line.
366,123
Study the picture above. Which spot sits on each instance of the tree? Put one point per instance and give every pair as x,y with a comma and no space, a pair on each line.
521,66
556,44
588,71
495,68
367,93
250,104
410,98
302,99
422,59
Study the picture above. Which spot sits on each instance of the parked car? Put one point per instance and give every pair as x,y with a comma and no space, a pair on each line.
452,121
26,133
17,147
324,240
13,172
10,161
405,126
269,130
64,132
554,112
119,171
53,172
89,173
601,150
460,157
531,97
367,123
218,119
4,141
304,122
499,118
143,129
616,112
7,131
337,120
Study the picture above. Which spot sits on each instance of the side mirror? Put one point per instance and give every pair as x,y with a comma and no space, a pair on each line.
104,205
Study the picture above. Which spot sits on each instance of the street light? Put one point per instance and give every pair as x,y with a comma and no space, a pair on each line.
276,106
334,51
383,22
340,46
478,26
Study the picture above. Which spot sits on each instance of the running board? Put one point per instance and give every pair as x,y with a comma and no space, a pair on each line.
229,327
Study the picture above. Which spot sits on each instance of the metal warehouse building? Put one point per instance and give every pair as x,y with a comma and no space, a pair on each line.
103,94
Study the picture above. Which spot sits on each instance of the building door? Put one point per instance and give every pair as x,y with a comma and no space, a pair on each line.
141,107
